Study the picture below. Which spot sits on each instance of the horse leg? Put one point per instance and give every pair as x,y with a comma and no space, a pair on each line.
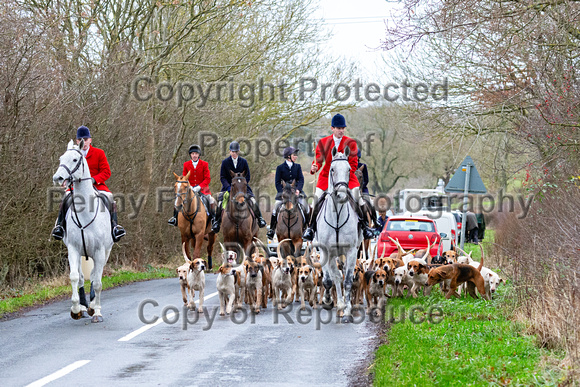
185,239
347,294
210,242
326,298
100,259
337,279
74,260
197,241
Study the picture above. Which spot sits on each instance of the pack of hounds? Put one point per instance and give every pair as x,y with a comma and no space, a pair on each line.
284,280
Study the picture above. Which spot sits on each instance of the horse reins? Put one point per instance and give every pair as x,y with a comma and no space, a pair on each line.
185,201
71,181
334,187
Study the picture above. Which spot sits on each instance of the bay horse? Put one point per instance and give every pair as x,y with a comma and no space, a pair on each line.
239,224
290,223
88,230
338,235
192,219
368,211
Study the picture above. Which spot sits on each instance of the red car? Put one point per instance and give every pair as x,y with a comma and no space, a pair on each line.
411,233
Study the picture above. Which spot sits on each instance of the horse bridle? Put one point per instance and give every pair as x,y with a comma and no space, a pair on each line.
76,167
185,201
341,183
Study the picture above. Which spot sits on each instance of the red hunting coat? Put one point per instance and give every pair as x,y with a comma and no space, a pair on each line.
198,176
99,167
324,156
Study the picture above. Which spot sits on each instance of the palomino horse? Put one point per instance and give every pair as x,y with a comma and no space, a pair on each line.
192,219
338,235
368,211
239,225
88,229
290,223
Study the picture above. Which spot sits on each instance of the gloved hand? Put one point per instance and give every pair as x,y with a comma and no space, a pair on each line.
197,188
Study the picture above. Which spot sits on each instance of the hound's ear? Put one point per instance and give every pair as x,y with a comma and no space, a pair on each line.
205,263
177,270
501,281
334,151
347,151
176,176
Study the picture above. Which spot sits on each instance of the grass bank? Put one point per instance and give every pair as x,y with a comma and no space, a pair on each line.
435,341
18,299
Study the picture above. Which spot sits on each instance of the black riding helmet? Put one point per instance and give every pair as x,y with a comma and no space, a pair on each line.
195,148
289,151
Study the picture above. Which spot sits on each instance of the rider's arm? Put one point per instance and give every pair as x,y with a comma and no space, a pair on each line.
300,180
103,170
365,177
223,173
278,179
206,176
353,159
319,157
247,169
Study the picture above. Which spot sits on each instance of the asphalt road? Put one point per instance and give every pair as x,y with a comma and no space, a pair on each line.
46,346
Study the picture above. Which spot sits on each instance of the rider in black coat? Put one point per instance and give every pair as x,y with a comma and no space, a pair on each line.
289,171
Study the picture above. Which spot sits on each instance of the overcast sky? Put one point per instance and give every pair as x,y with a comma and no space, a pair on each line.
357,30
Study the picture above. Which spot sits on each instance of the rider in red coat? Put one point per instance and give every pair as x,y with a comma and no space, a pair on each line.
324,156
100,172
199,178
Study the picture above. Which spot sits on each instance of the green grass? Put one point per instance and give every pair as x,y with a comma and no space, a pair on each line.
45,293
473,343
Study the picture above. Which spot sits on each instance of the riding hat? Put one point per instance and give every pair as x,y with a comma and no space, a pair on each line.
234,146
338,121
195,148
289,151
83,132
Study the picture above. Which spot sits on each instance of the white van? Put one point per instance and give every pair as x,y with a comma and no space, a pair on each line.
445,222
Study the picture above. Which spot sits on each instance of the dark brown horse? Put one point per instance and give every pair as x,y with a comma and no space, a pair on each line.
192,219
290,223
239,224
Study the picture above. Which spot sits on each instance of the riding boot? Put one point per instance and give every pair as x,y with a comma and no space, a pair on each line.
259,218
273,222
60,225
217,220
311,229
363,223
173,220
118,231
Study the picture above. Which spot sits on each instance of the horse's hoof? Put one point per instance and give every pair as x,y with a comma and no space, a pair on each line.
76,316
97,319
90,311
347,319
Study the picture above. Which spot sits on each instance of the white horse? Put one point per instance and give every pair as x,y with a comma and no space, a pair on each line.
88,229
338,234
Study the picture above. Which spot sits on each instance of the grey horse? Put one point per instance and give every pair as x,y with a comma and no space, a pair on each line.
88,230
338,235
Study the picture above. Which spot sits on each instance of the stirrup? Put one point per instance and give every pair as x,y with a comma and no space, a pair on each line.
215,227
261,222
118,233
58,232
270,233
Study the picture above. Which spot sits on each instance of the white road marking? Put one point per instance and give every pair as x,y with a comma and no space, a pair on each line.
59,374
159,321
